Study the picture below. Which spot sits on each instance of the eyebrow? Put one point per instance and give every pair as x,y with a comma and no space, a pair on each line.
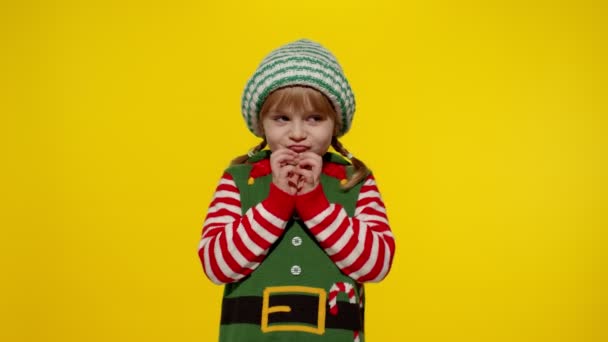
303,113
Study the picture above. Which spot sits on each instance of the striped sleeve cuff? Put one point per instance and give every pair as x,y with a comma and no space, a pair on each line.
279,203
312,203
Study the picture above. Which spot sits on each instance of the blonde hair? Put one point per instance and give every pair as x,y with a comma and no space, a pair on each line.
302,98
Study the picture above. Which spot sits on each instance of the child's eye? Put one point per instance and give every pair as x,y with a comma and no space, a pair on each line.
281,118
315,118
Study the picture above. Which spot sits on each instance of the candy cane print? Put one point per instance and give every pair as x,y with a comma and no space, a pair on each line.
333,300
333,295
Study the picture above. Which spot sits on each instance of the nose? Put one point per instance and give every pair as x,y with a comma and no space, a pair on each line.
298,132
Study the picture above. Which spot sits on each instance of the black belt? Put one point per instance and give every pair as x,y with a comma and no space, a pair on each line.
304,309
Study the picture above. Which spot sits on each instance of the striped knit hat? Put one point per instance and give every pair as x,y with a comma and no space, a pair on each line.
302,62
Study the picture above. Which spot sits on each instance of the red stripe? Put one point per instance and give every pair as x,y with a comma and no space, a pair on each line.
336,235
221,213
253,236
378,265
349,246
232,264
265,224
201,255
327,221
227,187
226,200
373,211
240,245
368,200
213,262
211,231
363,257
366,188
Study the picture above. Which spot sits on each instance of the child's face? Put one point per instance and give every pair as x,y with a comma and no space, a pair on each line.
299,131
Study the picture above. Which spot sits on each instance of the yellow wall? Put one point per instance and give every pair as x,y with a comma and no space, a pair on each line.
485,124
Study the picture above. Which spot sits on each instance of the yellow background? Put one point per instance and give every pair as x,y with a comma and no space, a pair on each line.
484,122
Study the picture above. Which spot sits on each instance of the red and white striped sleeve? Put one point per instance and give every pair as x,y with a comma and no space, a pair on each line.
362,246
233,244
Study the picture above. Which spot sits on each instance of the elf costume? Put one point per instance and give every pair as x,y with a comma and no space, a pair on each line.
294,265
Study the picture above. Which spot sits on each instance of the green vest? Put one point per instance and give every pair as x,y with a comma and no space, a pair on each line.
296,270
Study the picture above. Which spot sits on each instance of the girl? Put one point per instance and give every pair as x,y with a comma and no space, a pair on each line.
293,231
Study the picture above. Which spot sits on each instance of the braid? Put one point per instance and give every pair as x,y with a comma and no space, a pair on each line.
361,169
243,159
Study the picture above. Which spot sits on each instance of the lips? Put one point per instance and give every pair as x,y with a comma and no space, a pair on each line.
299,148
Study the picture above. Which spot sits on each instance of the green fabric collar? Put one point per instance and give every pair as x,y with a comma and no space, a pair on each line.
327,157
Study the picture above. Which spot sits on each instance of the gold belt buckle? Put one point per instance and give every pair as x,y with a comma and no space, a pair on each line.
267,309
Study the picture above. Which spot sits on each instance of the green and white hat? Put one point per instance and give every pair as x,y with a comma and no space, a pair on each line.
302,62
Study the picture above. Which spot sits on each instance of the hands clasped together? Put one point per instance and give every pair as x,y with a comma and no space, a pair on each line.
295,173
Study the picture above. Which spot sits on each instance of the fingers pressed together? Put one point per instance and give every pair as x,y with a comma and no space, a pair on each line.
295,173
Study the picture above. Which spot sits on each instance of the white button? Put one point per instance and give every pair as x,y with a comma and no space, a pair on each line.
296,241
296,270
